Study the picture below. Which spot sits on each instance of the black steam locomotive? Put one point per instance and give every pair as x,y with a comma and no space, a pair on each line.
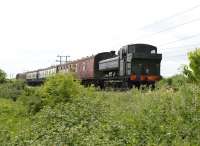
134,64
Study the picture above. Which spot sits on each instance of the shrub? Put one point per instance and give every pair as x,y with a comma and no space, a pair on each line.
80,122
65,113
173,82
2,76
192,72
12,89
159,117
12,120
60,88
32,103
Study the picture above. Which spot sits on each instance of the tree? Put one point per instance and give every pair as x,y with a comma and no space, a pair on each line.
193,70
2,76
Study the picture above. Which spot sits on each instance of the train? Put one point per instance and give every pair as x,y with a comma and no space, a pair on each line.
133,65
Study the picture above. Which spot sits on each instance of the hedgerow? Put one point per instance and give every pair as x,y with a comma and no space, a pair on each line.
62,112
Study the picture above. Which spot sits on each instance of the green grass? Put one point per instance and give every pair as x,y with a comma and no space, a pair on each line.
161,117
13,119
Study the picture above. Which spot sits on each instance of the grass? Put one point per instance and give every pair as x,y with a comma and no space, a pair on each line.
13,119
161,117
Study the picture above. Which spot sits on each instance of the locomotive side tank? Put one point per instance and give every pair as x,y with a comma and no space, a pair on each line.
109,64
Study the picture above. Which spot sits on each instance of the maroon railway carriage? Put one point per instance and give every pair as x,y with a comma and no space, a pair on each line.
84,68
87,69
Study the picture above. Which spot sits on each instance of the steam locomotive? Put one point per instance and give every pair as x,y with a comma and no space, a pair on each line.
135,64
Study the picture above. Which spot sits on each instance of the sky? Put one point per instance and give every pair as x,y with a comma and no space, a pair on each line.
33,33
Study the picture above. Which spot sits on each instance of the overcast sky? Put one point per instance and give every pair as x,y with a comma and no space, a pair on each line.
33,33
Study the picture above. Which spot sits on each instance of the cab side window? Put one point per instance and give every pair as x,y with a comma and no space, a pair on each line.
153,51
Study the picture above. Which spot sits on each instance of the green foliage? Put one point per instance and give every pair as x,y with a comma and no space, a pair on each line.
32,103
65,113
193,70
161,117
2,76
17,90
12,120
189,74
77,123
174,82
60,88
12,89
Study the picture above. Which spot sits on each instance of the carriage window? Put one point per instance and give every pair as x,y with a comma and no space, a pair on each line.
153,51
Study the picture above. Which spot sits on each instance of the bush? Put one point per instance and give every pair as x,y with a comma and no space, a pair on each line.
173,82
12,120
160,117
12,89
79,122
17,90
32,103
2,76
60,88
65,113
192,72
